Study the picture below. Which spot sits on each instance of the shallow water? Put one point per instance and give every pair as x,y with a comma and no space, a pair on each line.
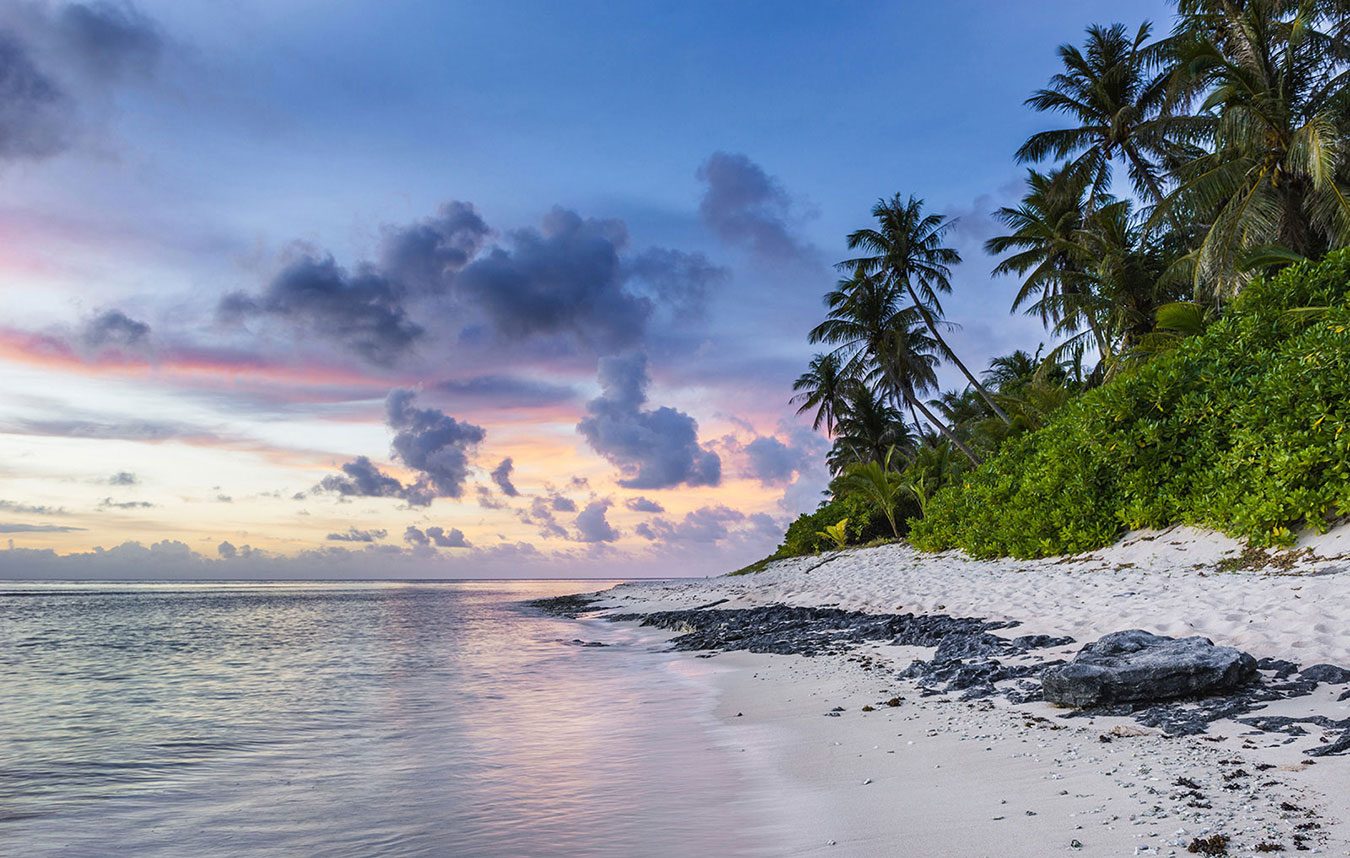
340,719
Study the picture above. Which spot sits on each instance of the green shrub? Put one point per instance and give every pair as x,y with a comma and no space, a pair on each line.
865,523
1243,429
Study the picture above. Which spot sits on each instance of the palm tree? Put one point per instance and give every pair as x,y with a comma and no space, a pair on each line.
932,468
1270,78
1009,372
880,484
1117,106
911,355
1046,249
882,343
1099,273
908,252
1129,275
822,387
868,427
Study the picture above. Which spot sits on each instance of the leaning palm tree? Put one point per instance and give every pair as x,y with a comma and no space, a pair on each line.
910,355
1271,78
882,343
908,252
823,388
1117,107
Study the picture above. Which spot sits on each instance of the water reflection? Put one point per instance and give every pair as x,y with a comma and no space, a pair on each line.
347,719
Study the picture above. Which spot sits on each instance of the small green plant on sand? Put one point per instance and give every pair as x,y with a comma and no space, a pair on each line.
836,533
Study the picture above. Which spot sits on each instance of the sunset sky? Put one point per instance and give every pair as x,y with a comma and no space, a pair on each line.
442,289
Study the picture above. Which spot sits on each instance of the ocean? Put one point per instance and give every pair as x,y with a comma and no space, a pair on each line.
352,719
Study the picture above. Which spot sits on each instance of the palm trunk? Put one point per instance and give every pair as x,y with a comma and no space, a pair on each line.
979,388
913,402
942,427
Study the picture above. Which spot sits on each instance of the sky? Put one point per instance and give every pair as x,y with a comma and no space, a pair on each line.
441,289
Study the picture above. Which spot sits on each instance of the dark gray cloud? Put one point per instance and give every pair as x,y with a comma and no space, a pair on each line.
35,114
113,328
425,439
501,475
771,461
56,62
571,283
427,254
654,449
679,281
436,536
431,442
30,509
564,278
706,524
508,391
109,503
641,504
592,525
110,40
362,478
487,500
369,309
123,478
541,515
227,550
362,310
37,528
747,207
452,538
354,535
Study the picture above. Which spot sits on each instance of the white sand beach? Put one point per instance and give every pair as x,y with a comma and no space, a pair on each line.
937,776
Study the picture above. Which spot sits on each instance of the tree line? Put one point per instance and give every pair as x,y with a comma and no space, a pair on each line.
1188,165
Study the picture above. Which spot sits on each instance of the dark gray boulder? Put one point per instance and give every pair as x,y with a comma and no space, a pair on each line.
1135,665
1328,673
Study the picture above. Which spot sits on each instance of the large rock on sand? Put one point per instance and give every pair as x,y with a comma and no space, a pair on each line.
1135,666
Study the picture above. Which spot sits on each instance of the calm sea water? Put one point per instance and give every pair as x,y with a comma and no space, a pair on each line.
350,719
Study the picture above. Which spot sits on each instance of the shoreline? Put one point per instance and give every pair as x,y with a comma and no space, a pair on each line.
937,775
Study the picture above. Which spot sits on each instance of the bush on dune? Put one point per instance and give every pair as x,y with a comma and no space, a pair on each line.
865,522
1242,429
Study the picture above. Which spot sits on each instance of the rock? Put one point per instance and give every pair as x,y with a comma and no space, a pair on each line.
1328,673
1135,665
1281,667
790,630
1340,746
569,607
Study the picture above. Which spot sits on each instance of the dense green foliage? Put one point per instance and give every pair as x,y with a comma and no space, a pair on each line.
865,524
1242,429
1197,369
